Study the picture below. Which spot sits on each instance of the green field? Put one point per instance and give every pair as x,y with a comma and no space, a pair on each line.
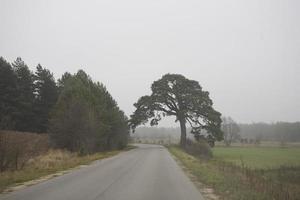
236,173
259,157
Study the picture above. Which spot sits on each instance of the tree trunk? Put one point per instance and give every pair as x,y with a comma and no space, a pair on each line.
183,132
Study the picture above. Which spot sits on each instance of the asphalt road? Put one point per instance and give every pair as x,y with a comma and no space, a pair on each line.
145,173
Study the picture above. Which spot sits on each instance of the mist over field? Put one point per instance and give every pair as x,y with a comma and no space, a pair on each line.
282,131
245,53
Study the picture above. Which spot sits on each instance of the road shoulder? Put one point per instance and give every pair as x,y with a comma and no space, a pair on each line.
14,181
206,191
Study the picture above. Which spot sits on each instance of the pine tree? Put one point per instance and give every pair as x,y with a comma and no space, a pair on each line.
46,95
25,98
86,118
62,81
8,94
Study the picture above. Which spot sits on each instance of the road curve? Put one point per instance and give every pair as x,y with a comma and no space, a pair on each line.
145,173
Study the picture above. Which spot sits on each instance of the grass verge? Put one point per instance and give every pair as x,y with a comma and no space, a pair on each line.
234,182
52,162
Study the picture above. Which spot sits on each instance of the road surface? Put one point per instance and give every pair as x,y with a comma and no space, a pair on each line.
145,173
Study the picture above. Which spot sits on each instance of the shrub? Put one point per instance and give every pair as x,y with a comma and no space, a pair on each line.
199,149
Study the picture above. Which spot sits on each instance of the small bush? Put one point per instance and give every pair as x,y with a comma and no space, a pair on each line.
199,149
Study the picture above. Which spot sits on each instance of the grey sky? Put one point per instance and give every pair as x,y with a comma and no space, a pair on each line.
245,52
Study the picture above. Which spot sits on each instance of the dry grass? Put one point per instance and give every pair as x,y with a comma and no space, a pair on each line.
26,156
16,148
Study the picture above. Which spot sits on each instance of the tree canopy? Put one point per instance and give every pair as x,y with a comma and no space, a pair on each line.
8,95
175,95
26,98
79,114
86,117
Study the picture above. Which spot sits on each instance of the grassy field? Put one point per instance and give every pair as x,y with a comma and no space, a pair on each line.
50,163
263,173
259,157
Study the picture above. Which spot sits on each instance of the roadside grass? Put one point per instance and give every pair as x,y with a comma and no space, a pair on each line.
52,162
232,180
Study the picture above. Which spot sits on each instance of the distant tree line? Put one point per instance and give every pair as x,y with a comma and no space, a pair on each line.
280,131
235,132
152,132
78,114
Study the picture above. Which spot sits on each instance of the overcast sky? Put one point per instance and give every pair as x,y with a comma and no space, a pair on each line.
246,53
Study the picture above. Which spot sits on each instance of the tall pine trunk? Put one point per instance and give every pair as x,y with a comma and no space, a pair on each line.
183,132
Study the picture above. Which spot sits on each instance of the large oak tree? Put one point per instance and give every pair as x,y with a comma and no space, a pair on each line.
175,95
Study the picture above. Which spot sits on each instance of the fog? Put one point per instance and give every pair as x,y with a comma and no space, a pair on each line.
245,53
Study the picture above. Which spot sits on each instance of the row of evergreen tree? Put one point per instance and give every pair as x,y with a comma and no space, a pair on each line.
26,98
78,113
